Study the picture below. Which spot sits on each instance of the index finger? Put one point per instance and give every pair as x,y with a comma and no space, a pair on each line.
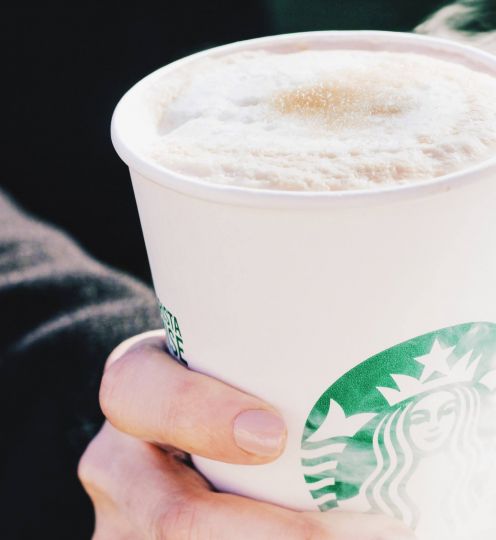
164,499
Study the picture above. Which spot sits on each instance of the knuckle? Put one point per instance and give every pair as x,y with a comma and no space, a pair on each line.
119,375
306,529
109,388
86,469
180,521
91,469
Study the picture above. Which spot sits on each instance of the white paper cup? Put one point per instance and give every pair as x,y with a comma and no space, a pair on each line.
366,317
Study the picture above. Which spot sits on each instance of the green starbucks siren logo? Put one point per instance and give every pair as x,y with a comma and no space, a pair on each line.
418,416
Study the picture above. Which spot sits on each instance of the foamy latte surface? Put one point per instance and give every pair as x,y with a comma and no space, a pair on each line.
321,120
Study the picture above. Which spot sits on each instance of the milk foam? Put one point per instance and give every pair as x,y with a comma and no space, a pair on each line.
323,119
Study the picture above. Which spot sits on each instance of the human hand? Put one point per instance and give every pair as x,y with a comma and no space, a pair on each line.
137,472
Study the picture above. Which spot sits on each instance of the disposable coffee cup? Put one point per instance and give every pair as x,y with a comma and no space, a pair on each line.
367,318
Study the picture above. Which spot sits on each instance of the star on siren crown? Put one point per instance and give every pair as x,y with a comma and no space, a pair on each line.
435,361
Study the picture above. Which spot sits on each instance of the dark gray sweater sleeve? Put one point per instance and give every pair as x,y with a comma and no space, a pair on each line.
61,313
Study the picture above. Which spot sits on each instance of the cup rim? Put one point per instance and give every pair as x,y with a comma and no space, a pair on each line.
274,198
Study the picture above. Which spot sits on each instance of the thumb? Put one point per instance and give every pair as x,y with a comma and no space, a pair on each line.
147,394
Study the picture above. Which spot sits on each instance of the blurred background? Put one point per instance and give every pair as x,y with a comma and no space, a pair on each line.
65,69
